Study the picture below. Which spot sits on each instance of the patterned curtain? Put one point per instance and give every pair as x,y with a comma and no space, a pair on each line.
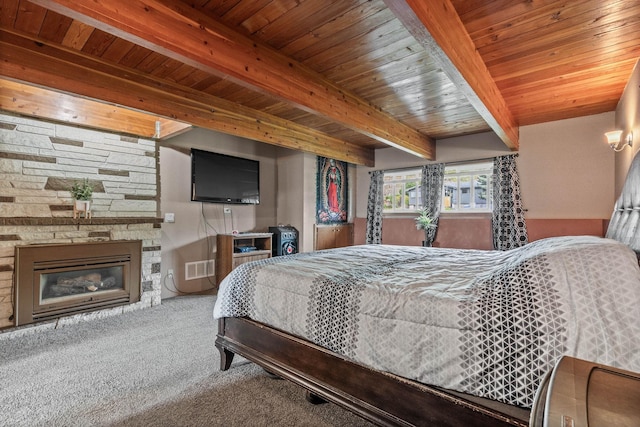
374,208
509,227
431,188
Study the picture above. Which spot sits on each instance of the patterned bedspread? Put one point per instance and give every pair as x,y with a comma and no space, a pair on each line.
486,323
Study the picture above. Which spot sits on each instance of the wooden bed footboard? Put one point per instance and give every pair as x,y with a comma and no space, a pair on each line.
379,397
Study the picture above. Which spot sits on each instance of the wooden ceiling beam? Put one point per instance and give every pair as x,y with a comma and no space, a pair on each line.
170,128
29,59
438,28
185,34
46,104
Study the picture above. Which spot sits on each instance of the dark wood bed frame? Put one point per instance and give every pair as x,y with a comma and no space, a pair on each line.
382,398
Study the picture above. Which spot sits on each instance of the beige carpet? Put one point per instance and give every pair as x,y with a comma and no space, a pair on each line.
154,367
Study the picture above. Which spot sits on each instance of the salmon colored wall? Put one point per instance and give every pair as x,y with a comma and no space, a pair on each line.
541,228
467,233
475,233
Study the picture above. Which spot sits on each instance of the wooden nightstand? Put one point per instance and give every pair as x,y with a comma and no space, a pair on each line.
235,249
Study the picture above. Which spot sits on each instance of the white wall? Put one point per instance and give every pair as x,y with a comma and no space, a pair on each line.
296,194
289,169
566,171
192,236
628,120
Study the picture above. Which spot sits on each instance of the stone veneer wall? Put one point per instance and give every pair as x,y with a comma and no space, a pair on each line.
39,161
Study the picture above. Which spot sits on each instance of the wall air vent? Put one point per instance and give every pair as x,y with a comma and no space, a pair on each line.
199,269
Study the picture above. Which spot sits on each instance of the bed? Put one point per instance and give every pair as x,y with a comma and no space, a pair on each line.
429,336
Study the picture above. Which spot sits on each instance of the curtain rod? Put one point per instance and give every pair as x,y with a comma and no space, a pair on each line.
474,160
446,163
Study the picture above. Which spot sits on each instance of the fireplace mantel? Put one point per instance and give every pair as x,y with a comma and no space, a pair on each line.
78,221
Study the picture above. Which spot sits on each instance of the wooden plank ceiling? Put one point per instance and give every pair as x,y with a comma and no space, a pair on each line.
336,78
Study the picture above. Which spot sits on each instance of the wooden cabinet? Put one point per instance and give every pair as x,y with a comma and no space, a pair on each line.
333,236
235,249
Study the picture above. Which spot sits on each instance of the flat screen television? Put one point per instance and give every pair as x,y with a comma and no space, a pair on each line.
219,178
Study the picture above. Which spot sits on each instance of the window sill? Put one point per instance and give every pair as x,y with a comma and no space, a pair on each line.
445,215
465,215
400,215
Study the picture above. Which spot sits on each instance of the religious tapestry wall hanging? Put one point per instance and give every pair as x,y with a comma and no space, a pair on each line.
331,191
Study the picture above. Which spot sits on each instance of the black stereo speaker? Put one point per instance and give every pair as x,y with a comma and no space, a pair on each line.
284,241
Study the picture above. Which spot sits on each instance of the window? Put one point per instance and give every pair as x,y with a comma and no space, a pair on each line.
467,188
401,191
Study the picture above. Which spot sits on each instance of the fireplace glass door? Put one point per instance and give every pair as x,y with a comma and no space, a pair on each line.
63,279
66,286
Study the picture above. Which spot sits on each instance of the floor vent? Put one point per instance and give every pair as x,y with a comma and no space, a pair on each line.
199,269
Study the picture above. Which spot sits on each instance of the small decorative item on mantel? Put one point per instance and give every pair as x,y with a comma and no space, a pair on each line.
81,193
426,223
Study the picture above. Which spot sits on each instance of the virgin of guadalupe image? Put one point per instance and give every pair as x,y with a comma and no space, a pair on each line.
331,191
334,179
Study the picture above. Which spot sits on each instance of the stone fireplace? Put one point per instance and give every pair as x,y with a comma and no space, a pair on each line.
40,161
52,281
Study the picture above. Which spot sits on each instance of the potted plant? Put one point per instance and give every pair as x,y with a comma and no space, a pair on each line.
426,223
81,193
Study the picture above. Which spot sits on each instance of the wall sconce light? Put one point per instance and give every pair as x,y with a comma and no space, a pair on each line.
613,138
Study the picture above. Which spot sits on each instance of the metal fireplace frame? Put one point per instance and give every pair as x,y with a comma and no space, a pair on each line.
31,261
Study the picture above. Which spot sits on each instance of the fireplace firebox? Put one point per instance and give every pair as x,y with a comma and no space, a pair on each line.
62,279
